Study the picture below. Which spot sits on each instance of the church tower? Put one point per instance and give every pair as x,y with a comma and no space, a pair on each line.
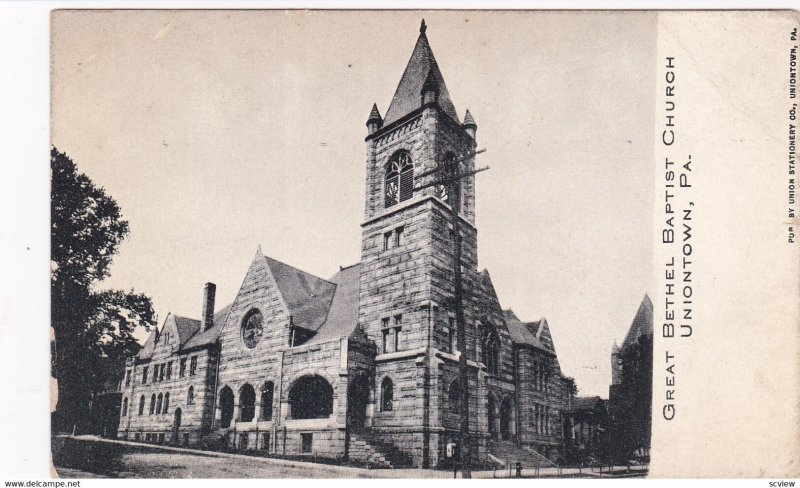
406,284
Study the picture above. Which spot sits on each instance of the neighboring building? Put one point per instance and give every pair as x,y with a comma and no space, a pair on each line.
365,364
586,428
630,401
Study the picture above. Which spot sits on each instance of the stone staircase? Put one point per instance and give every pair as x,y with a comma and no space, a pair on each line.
509,452
375,453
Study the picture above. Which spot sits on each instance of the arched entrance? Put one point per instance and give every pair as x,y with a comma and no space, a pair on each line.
491,410
176,426
226,407
247,403
311,397
506,419
358,399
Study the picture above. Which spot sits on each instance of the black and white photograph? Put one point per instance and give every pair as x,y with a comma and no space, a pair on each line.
424,244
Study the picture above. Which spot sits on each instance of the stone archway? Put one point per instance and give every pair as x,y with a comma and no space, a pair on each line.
358,394
507,419
176,425
311,397
226,407
491,410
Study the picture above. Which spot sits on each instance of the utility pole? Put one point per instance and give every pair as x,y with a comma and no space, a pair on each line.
449,175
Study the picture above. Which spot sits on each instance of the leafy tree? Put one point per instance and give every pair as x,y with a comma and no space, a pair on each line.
92,329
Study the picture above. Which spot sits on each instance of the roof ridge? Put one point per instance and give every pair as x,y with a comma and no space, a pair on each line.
295,268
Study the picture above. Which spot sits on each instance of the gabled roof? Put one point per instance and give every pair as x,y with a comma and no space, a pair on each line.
186,328
342,317
189,333
642,324
307,297
586,403
408,96
519,333
210,335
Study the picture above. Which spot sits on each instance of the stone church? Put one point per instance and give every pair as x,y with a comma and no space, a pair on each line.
363,365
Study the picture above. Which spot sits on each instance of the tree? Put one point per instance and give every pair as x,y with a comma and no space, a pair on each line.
91,328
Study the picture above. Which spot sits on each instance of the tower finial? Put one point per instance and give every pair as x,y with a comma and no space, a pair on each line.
422,27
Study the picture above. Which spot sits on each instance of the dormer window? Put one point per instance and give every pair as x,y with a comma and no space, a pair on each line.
399,185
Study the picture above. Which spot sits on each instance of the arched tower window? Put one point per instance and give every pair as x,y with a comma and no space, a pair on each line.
141,405
190,396
490,353
166,403
125,406
158,403
387,395
399,184
247,403
455,396
153,404
266,400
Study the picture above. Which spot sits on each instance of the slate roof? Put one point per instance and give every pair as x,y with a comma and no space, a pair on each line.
342,317
642,324
408,96
530,333
585,403
307,297
189,333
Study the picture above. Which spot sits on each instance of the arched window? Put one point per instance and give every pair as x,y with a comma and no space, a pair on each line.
153,404
311,397
266,400
159,403
247,403
226,407
490,353
124,406
190,396
455,396
166,404
399,184
387,395
141,405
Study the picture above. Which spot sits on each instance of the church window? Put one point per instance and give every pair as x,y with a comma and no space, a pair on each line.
190,396
387,395
491,349
226,407
311,397
398,326
193,366
169,370
455,396
247,403
266,400
182,368
161,372
124,406
448,167
385,335
307,442
387,240
399,183
165,410
252,328
141,405
144,375
128,378
153,404
159,403
398,237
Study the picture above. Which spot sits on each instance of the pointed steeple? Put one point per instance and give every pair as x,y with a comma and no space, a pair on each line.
374,121
420,68
469,124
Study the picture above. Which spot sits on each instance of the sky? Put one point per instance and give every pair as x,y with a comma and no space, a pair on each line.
219,131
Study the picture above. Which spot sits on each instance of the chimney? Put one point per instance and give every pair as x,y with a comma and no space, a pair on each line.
207,320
